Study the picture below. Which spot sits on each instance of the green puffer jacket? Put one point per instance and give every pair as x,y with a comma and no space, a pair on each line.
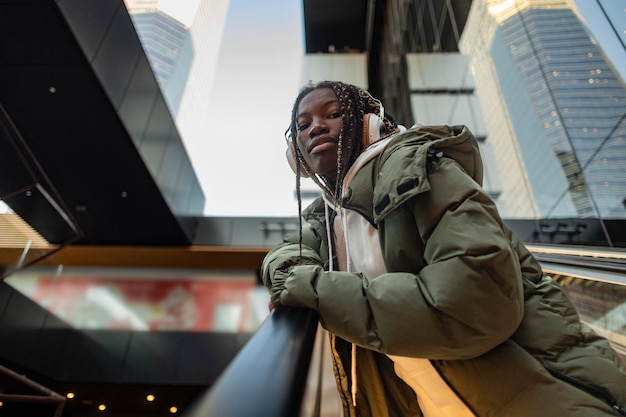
460,290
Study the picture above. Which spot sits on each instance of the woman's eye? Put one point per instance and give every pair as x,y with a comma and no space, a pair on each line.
334,115
302,127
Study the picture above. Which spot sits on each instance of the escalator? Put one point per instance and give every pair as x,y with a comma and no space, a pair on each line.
595,281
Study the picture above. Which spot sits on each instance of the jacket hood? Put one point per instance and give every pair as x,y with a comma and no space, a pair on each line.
403,166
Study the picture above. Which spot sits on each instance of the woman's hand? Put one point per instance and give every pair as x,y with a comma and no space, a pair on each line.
278,286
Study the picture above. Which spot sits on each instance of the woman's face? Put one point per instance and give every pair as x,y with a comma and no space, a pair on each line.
318,124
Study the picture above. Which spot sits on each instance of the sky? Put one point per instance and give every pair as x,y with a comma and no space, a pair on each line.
241,162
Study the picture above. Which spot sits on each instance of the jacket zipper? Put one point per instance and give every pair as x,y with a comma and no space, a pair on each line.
590,389
339,370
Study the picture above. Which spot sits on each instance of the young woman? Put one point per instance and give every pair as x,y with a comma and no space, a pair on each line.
433,306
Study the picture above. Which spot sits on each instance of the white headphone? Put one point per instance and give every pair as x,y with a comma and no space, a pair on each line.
373,125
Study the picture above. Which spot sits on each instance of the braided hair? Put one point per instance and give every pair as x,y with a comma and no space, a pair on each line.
354,104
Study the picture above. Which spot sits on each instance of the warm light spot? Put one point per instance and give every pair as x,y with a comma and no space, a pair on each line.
150,397
70,395
173,410
1,403
501,7
102,407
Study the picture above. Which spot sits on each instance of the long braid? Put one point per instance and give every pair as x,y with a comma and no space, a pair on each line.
350,145
299,195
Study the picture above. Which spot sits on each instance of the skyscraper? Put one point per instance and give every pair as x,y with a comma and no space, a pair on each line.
184,56
200,55
162,37
554,108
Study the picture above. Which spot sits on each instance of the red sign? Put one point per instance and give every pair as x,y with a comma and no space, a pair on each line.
150,304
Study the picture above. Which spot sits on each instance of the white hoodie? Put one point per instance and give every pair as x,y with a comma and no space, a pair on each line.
358,249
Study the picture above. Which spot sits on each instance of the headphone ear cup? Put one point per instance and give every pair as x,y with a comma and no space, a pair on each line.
373,129
290,153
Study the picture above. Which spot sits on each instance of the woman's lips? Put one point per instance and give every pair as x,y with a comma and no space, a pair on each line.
321,145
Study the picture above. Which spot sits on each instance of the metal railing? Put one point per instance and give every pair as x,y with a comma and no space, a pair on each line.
268,376
41,395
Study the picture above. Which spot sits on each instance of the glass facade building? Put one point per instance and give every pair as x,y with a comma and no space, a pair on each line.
554,108
162,38
184,56
166,42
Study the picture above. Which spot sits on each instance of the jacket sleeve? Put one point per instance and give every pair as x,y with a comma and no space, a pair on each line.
465,301
291,252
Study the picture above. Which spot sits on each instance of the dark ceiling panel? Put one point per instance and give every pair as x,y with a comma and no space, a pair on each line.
50,88
338,23
22,24
79,123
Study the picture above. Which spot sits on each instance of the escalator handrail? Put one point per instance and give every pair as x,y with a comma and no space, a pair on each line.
590,263
267,378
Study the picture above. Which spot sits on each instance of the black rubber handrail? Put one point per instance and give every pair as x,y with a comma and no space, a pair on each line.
267,378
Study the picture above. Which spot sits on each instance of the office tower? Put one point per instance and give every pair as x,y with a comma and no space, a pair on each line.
196,86
182,39
183,53
554,109
162,37
605,19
